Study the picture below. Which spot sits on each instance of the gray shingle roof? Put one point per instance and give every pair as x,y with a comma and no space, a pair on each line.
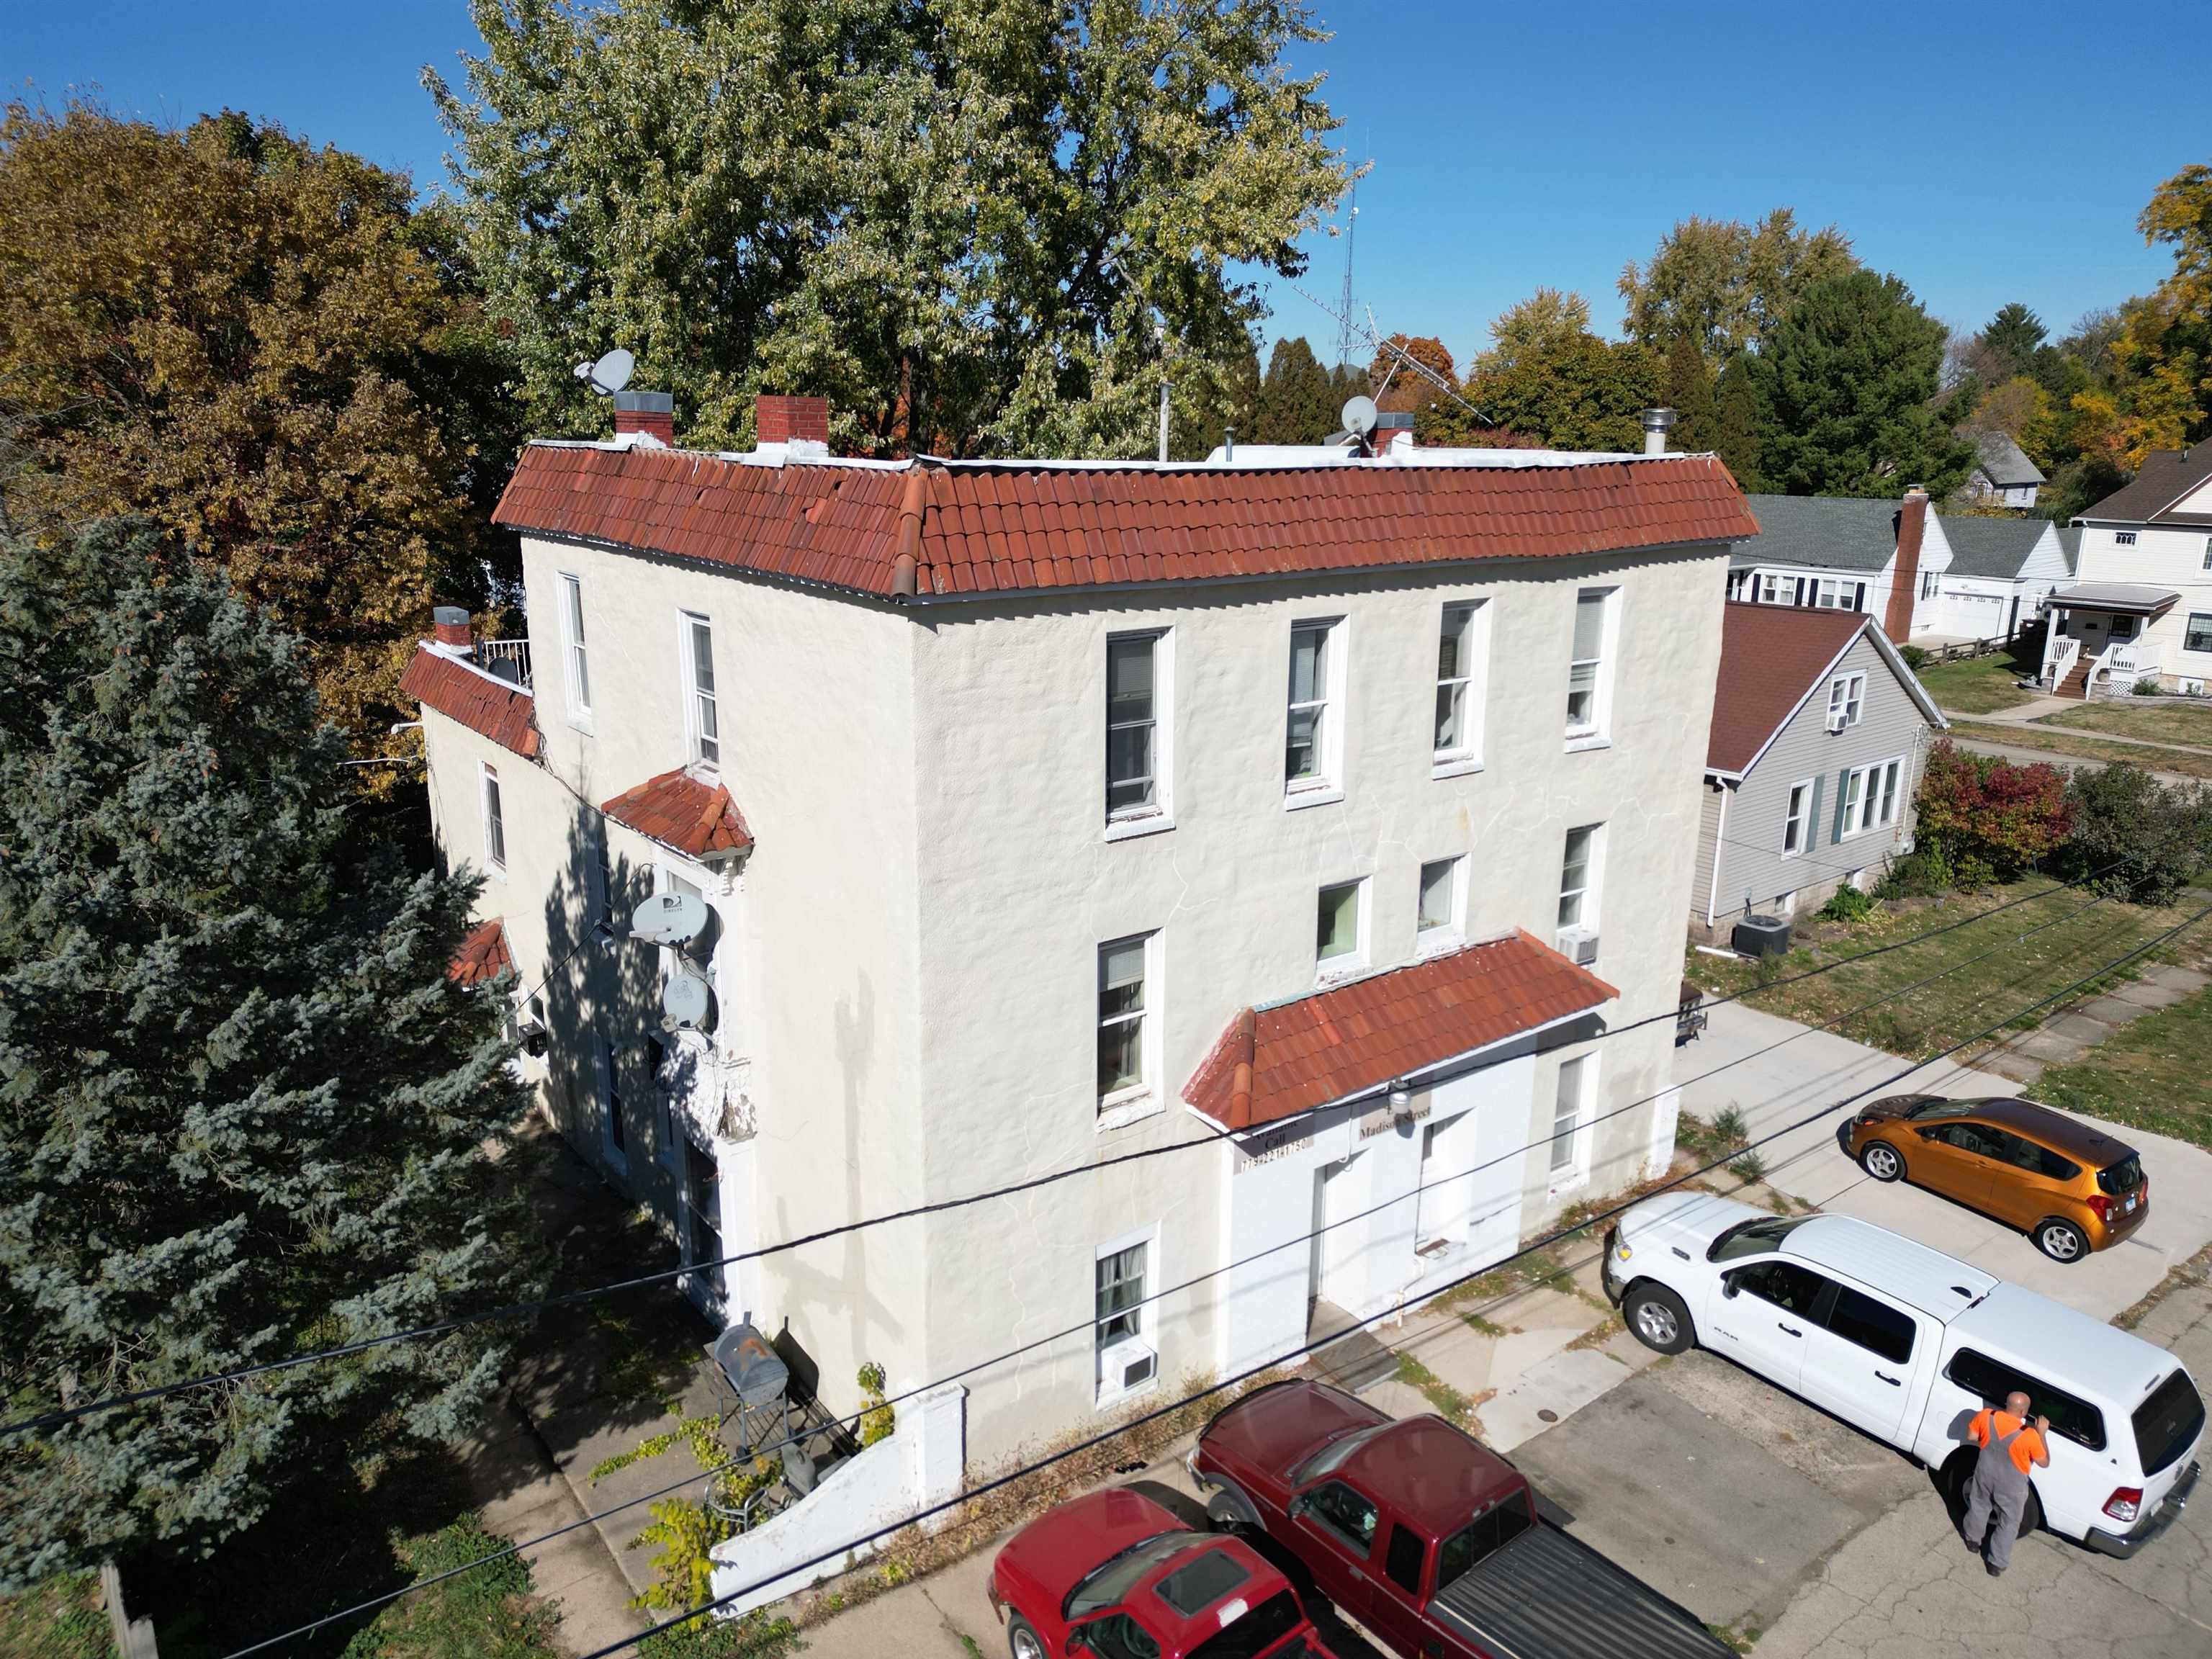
2002,460
2168,475
1990,547
1836,532
2069,544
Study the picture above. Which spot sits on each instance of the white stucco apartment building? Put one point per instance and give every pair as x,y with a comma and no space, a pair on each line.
1213,831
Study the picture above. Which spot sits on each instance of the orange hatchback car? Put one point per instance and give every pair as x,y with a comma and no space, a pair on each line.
2066,1184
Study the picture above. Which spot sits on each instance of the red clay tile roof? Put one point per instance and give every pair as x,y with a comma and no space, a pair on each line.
1275,1062
1770,654
484,957
999,528
487,706
676,810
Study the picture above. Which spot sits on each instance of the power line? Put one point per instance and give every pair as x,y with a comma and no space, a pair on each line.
1157,1296
520,1309
850,1545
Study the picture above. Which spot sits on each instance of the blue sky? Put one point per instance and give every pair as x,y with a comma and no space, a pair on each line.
1983,153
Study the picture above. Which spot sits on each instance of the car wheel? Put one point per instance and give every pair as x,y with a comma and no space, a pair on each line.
2061,1240
2031,1514
1022,1641
1881,1160
1660,1320
1226,1513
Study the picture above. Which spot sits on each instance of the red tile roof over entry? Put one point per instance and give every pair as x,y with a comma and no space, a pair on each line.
1275,1062
483,957
999,527
679,811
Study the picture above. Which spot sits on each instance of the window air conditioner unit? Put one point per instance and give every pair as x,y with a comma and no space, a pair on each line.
1837,718
1128,1364
1578,945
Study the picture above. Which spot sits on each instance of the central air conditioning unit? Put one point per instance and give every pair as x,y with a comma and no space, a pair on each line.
1838,719
1128,1364
1578,945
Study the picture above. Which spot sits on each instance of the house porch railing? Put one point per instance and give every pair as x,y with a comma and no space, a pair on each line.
508,659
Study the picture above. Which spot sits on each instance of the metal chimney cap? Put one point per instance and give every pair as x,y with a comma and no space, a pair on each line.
1658,419
451,616
646,403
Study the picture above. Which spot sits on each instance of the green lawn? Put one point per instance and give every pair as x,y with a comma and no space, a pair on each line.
2153,722
62,1618
2152,1074
2065,743
2013,972
1977,686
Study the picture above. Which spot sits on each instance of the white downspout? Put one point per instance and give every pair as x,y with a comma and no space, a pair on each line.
1720,840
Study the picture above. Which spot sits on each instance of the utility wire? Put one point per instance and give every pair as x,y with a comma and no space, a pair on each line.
519,1309
1160,1295
850,1545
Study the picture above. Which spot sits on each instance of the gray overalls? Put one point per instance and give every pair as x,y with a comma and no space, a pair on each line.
1999,1484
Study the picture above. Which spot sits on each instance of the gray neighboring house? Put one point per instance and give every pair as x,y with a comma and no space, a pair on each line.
1882,558
2002,473
1818,738
2002,572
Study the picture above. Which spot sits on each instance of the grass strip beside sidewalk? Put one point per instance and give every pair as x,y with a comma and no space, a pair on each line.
2183,762
2147,722
2156,1075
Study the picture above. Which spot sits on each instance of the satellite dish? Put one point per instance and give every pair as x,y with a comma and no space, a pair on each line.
685,998
669,918
610,374
1359,415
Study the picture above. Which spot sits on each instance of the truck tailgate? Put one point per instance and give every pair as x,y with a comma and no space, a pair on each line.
1546,1595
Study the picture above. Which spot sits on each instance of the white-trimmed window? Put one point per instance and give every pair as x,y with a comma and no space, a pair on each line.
1798,820
1590,676
1127,1023
1440,907
701,717
1121,1280
1462,667
614,1130
1928,582
1568,1157
1578,877
1868,798
2198,635
2208,554
1769,588
574,658
1340,928
1139,729
1847,698
494,824
1313,745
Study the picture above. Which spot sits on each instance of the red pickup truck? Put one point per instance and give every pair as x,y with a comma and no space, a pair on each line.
1424,1536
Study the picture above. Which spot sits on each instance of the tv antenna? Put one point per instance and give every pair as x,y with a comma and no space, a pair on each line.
1398,356
1344,307
610,374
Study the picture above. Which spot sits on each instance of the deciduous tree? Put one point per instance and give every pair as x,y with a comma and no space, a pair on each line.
243,1112
264,347
1546,318
1579,393
960,221
1403,390
1726,283
1845,386
1981,812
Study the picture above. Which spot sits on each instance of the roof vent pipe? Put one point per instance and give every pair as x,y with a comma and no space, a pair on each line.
1657,422
1228,443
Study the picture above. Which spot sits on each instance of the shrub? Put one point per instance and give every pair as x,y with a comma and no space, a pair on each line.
1728,1126
1980,807
2147,688
1751,1167
687,1534
1848,904
877,1419
1923,872
1916,656
2158,834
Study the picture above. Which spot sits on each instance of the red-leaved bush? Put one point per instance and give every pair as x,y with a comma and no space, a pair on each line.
1979,808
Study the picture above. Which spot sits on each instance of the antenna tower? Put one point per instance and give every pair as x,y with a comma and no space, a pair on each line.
1344,308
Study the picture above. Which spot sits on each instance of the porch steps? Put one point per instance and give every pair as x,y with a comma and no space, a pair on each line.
2076,685
1355,1360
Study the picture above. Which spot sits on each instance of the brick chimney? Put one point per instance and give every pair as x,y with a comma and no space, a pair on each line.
781,420
647,415
1905,586
453,628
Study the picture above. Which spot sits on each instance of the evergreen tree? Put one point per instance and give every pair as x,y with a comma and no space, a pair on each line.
2013,337
1732,428
1846,385
1297,403
1686,386
243,1111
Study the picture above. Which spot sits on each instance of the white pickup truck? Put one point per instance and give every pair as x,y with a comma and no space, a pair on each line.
1907,1344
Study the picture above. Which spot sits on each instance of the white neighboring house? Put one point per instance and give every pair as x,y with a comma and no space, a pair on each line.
2141,604
1882,559
2002,473
2002,573
1321,814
